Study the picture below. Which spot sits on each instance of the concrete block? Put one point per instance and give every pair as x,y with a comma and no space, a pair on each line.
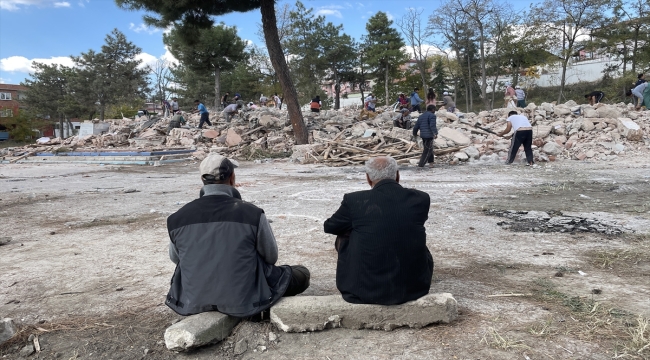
198,330
454,135
312,313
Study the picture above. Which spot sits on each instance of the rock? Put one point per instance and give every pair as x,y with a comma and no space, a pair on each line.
590,112
472,152
561,110
440,142
399,133
590,154
210,134
606,111
27,350
552,148
630,130
272,336
7,327
200,155
455,136
232,138
581,156
240,347
312,313
461,156
270,121
198,330
586,125
304,154
451,116
541,131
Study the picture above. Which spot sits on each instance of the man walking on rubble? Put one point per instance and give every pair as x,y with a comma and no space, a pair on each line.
523,135
415,100
428,132
381,240
225,251
205,115
448,103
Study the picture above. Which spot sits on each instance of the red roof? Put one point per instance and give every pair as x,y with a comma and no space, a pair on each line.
12,87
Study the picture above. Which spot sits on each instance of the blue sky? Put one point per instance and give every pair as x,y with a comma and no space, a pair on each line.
52,30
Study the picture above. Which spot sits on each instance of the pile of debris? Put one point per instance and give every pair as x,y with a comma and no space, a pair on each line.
540,221
350,136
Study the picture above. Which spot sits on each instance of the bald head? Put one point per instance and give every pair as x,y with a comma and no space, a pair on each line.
381,168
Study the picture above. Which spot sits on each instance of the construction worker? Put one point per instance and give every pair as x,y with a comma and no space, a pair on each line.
523,135
176,121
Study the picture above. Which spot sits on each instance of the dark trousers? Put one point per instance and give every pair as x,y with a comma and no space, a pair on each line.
205,118
521,137
427,152
416,108
299,280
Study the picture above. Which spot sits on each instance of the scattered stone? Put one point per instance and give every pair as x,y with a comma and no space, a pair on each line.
210,134
232,138
7,329
587,125
590,153
630,130
240,347
472,152
562,222
312,313
198,330
272,336
462,156
552,148
454,135
27,350
5,240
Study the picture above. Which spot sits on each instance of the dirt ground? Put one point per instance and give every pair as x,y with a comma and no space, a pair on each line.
87,267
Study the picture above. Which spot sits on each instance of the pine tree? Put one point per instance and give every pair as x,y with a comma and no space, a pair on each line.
384,50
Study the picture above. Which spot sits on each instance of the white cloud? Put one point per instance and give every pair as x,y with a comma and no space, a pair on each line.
23,64
150,60
389,15
142,27
14,5
82,3
5,81
329,12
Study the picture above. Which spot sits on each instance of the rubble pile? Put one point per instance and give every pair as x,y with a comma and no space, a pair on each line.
540,221
351,136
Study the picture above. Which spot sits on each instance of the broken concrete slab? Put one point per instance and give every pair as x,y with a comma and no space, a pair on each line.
210,134
454,135
313,313
631,130
7,329
198,330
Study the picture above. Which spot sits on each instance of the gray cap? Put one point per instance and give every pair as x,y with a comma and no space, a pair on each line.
445,93
218,166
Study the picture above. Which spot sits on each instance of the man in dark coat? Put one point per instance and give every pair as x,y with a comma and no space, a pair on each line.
381,240
225,251
428,131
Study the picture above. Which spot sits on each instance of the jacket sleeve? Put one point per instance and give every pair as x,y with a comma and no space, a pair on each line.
340,223
267,247
416,128
433,124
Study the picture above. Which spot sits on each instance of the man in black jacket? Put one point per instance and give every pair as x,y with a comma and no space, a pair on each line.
225,251
383,255
428,131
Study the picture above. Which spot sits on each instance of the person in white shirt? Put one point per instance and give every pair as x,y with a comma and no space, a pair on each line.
263,100
278,102
523,135
174,105
370,102
521,97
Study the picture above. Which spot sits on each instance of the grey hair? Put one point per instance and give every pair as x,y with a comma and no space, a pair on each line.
381,168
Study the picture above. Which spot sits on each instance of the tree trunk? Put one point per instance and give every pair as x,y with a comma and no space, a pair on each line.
483,71
469,85
217,88
102,109
282,70
337,90
61,134
563,80
70,126
386,83
634,49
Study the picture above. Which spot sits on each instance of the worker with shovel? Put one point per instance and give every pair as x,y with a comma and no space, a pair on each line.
523,135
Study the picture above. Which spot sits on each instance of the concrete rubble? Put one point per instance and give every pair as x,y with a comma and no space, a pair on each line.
7,329
198,330
350,136
539,221
313,313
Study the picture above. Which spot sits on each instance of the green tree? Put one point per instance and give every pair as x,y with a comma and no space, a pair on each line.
190,15
566,22
417,37
439,75
338,55
215,49
384,49
49,95
110,76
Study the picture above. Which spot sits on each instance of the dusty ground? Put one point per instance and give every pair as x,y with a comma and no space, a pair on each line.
87,267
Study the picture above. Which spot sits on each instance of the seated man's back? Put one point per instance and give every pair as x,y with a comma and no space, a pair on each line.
385,260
